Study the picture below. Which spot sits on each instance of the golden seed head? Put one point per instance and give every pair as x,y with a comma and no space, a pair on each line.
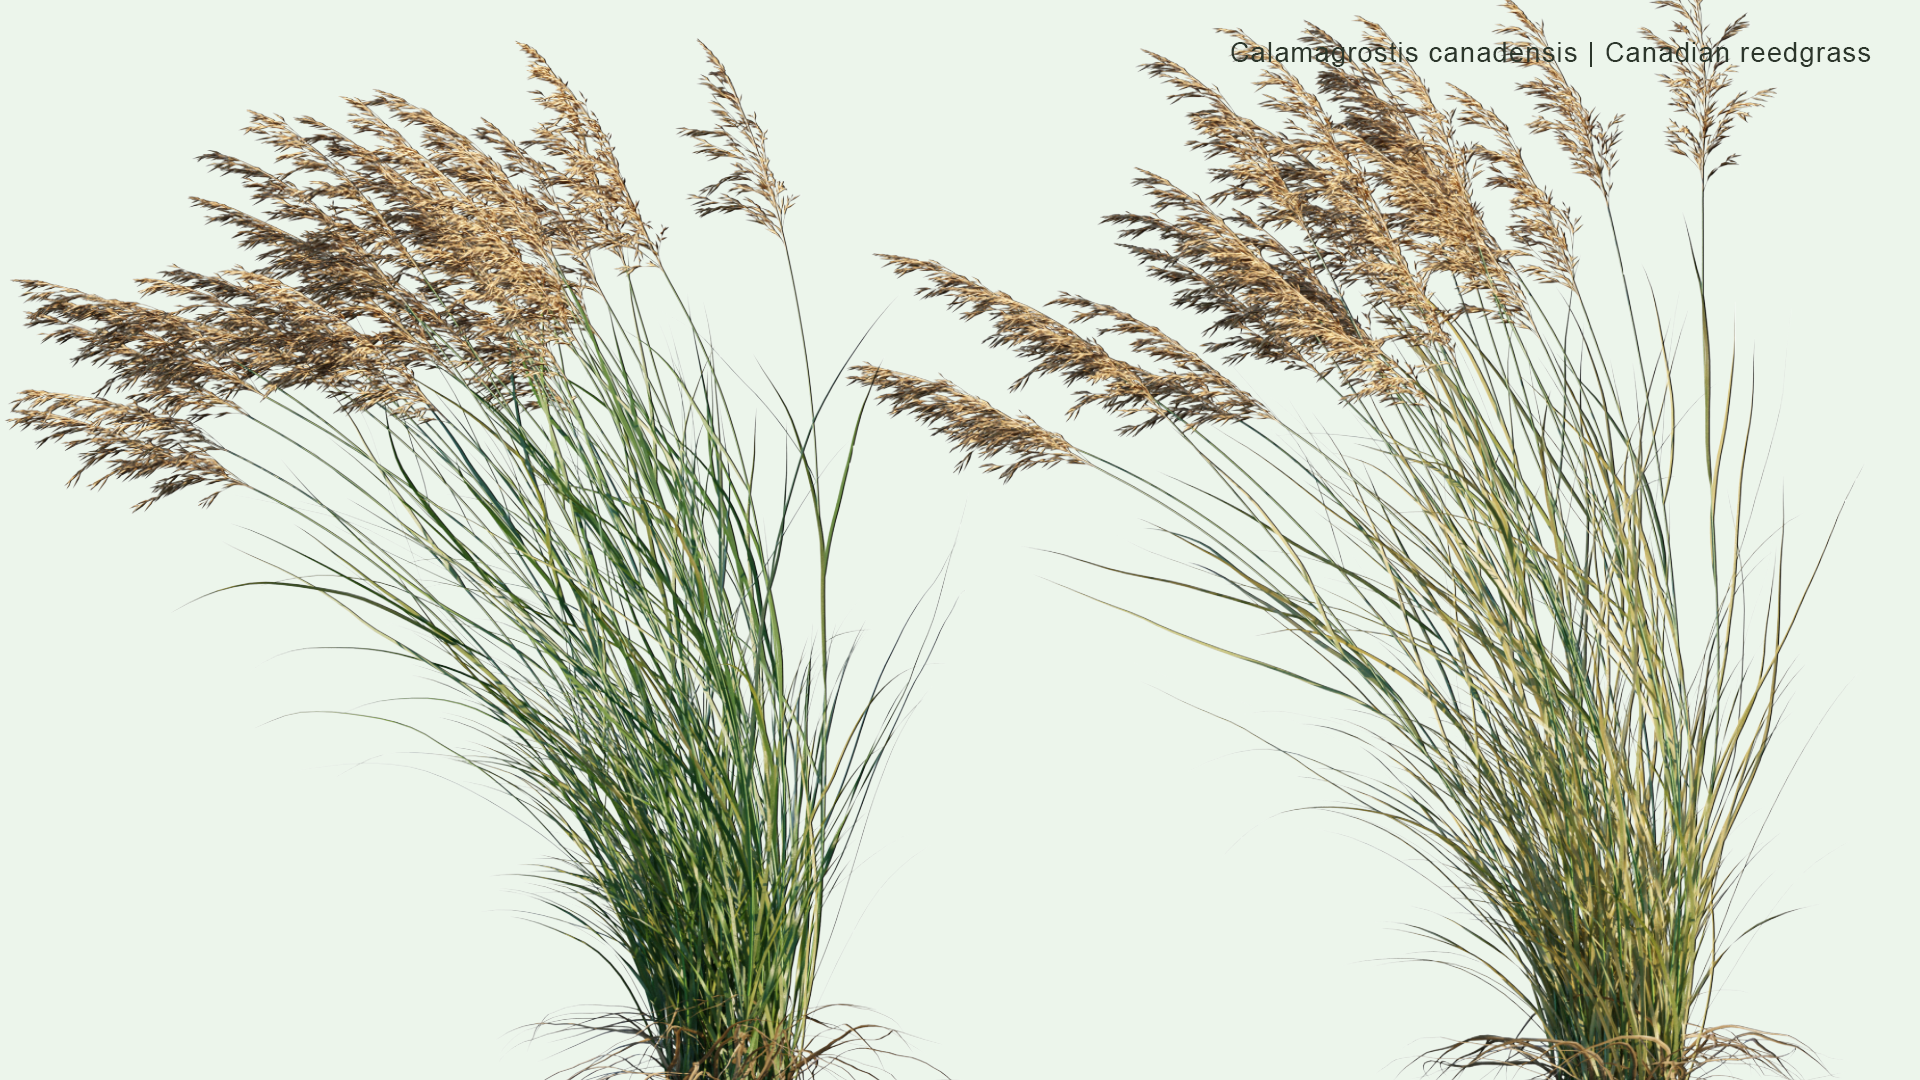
397,245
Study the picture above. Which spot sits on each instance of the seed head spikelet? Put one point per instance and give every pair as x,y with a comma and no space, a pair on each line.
737,139
1423,176
1592,145
970,423
1030,332
1700,85
1349,237
136,442
1542,226
1192,395
591,206
1197,394
396,246
1267,301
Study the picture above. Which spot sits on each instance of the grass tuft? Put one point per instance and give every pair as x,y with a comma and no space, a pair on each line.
1565,644
537,498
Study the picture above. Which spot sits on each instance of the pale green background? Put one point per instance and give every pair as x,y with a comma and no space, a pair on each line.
1070,873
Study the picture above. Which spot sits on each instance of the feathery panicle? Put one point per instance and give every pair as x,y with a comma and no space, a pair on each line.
136,441
1267,301
1032,334
1350,240
1194,395
1422,175
971,423
1381,195
1199,394
587,203
1365,186
1698,86
1542,226
1591,144
738,139
397,253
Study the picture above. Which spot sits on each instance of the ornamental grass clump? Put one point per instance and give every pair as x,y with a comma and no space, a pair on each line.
1536,580
531,494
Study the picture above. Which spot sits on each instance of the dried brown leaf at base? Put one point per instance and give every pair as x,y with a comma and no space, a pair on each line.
737,1053
971,423
1704,1049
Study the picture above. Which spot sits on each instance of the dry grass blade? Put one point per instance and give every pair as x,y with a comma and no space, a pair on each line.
830,1052
1704,1049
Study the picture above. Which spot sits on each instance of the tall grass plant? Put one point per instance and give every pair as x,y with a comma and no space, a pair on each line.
524,486
1527,558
